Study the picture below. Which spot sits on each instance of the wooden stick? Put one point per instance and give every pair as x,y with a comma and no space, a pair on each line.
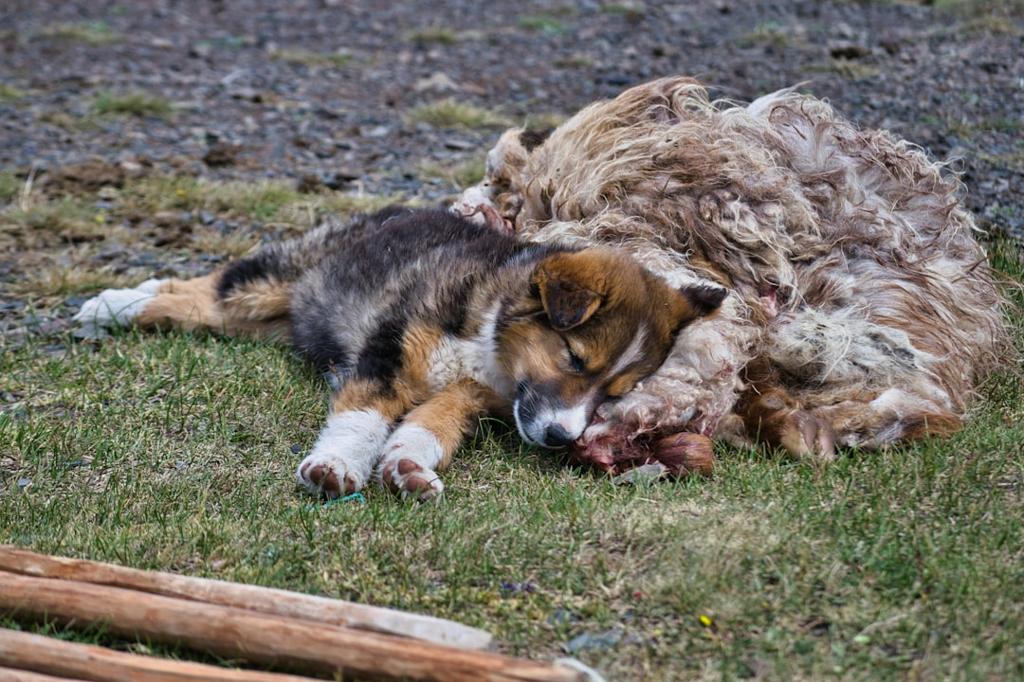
88,662
252,597
12,675
273,640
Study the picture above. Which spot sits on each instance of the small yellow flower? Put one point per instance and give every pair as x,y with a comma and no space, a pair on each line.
705,620
100,218
180,192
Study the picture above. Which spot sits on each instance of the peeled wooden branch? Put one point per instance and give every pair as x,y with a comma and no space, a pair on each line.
87,662
12,675
267,639
251,597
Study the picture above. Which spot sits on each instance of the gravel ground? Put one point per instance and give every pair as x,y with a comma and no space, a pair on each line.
323,89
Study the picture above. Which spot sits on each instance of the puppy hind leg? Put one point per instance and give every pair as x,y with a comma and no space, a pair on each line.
183,304
260,311
187,304
117,307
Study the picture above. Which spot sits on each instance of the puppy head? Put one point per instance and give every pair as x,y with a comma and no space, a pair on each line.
592,325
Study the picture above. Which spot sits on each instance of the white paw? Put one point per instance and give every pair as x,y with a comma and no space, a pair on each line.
345,454
113,308
328,475
409,478
410,456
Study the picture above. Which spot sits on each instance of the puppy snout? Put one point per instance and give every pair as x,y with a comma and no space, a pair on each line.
557,437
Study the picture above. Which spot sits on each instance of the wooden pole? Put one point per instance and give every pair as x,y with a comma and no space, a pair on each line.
267,639
252,597
88,662
12,675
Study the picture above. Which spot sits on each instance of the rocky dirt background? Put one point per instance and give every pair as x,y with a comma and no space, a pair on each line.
361,99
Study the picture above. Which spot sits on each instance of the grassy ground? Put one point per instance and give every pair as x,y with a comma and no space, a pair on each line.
176,452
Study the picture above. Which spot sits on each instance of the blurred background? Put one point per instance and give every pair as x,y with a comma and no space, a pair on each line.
359,99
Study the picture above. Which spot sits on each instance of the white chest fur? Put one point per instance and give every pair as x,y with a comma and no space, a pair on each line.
472,358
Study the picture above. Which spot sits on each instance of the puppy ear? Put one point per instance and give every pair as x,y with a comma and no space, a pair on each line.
567,301
703,299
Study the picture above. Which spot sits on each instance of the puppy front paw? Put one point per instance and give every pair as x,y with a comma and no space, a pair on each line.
407,467
408,478
345,454
327,476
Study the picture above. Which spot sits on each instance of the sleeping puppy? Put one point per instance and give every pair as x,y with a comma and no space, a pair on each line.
426,321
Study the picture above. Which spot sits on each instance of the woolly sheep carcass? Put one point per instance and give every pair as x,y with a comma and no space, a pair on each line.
861,309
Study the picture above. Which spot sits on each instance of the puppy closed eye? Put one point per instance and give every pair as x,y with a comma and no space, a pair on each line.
576,363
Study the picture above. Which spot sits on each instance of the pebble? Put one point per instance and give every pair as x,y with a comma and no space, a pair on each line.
594,641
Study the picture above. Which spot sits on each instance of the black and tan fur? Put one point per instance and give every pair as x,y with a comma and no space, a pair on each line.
425,321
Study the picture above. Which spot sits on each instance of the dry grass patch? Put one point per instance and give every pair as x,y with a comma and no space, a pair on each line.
157,212
139,104
992,24
210,240
67,121
10,186
449,113
9,93
544,120
55,279
574,61
1006,8
433,35
95,33
634,11
767,33
460,175
36,223
851,69
309,58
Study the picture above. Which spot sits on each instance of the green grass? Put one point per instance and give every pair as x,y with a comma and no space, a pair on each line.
268,200
459,175
851,69
69,219
976,7
139,104
633,11
433,35
767,33
170,451
541,23
177,451
448,113
10,186
9,93
95,33
68,122
309,58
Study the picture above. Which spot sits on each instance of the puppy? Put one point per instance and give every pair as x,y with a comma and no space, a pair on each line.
425,321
